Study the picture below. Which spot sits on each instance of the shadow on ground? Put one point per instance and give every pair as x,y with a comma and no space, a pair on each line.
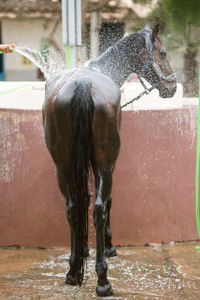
152,272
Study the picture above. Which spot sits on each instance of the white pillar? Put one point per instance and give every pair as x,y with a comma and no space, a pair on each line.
94,34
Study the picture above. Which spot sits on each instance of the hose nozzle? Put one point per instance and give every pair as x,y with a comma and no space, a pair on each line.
2,51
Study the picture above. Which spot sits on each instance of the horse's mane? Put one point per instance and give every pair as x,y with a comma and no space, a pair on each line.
124,44
111,61
117,61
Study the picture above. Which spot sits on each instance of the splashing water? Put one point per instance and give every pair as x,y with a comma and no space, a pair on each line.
48,67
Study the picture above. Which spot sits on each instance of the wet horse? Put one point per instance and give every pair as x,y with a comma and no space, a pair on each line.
81,118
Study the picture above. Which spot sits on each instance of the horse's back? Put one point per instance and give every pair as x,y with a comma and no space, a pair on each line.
105,121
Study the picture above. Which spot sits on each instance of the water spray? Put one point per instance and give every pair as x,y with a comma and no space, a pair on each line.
69,62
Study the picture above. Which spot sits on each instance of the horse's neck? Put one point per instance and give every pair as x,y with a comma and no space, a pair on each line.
119,61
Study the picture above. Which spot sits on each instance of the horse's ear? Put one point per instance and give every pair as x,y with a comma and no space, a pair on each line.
155,32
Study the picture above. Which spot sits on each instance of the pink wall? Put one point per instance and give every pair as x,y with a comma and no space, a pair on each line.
153,190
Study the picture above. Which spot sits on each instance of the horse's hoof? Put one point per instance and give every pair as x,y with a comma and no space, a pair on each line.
110,252
104,291
71,280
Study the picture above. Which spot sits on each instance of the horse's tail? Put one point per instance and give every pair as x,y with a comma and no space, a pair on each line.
82,107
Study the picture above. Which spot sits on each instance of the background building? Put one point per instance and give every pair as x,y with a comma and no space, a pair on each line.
37,24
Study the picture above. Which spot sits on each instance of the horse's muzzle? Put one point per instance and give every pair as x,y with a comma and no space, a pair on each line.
167,87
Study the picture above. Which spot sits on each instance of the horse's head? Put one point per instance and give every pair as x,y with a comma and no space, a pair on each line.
154,64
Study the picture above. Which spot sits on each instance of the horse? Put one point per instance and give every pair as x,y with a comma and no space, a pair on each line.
81,120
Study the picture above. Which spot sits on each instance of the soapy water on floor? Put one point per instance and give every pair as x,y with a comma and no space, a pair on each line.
151,272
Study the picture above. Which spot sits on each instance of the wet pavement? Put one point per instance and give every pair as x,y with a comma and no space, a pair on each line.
152,272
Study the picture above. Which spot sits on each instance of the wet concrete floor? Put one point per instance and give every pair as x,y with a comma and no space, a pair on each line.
151,272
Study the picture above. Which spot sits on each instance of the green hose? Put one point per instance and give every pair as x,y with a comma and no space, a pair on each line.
197,168
15,89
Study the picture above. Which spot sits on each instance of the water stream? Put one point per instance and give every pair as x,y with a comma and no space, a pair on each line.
48,67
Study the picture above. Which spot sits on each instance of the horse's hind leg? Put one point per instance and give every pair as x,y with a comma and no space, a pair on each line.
63,175
110,250
103,189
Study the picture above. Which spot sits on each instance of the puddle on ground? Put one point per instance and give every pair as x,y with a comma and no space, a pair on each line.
152,272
